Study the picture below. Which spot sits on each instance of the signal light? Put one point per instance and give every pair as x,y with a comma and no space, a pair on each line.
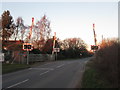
94,47
27,46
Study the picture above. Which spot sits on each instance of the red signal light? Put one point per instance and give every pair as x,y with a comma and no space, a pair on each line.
32,19
27,46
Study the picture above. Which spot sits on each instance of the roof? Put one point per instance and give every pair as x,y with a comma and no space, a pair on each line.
13,45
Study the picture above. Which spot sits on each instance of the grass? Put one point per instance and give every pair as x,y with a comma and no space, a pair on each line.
7,68
93,79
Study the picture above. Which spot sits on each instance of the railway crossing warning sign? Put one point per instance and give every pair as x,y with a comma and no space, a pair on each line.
27,46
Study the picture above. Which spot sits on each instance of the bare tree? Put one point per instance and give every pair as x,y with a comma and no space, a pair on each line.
73,43
42,32
20,29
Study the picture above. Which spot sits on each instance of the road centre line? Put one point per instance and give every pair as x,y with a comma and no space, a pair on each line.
46,64
29,68
18,83
60,66
85,62
42,68
44,72
47,68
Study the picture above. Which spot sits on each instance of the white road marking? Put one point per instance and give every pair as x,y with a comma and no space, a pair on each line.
42,68
46,64
46,68
44,72
18,83
69,62
29,68
86,62
59,66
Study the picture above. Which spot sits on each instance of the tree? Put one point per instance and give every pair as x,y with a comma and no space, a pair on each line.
48,47
42,32
0,28
20,29
7,25
73,47
73,43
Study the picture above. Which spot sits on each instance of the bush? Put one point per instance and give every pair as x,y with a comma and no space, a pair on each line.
36,51
106,61
71,53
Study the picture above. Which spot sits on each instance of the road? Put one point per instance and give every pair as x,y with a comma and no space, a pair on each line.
57,74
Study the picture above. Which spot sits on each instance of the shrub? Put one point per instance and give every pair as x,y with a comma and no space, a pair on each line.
36,51
106,60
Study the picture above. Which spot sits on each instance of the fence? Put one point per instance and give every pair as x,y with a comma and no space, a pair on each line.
1,57
37,57
40,57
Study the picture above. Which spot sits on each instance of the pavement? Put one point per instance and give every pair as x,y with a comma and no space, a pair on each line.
57,74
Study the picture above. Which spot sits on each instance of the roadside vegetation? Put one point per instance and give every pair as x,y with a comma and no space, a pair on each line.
102,70
93,78
7,68
14,34
70,48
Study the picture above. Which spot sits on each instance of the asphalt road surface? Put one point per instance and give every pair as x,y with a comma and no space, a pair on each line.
57,74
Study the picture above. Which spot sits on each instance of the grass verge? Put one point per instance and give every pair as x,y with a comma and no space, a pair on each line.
93,79
7,68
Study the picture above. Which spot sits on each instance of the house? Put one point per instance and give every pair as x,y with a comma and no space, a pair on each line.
12,50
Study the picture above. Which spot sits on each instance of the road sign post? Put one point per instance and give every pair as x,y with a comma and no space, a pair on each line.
56,50
27,57
56,56
27,47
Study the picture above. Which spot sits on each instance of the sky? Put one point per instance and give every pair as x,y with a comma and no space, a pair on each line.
70,19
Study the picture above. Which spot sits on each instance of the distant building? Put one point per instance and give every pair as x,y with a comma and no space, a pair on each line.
12,49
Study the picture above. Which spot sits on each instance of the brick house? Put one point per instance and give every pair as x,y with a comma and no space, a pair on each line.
12,49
